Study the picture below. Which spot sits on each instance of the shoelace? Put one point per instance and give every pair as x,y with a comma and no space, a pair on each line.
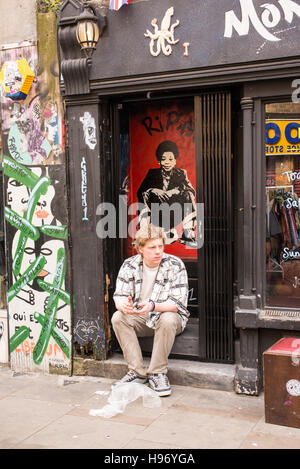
130,374
160,379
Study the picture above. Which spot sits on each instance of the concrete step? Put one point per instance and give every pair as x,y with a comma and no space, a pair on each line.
182,372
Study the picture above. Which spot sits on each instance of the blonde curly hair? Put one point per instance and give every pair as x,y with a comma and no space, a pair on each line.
147,232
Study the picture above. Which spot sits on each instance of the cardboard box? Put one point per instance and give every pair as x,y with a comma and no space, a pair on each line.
281,367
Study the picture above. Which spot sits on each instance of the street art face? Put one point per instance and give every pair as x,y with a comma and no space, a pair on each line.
89,130
51,123
18,195
168,161
48,250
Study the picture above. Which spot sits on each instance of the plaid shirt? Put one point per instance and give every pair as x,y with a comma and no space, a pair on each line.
171,283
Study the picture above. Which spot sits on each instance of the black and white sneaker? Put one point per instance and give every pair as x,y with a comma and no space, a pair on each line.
160,384
130,377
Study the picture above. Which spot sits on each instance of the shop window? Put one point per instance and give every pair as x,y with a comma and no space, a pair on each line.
282,153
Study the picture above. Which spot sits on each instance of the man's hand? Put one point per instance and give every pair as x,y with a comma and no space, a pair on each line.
125,306
143,308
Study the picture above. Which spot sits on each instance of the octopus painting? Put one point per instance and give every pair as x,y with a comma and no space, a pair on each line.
164,36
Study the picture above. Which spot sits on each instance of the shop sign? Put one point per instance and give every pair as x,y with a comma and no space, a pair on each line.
282,137
261,20
172,35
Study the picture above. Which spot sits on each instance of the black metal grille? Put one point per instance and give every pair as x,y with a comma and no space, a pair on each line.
213,124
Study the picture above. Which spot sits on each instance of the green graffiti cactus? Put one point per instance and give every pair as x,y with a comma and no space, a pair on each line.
40,188
51,309
29,275
57,335
19,337
26,228
60,232
62,294
20,173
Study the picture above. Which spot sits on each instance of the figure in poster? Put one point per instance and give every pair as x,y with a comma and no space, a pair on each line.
169,185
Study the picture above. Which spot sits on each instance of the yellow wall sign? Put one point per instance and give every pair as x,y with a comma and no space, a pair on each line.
16,78
282,137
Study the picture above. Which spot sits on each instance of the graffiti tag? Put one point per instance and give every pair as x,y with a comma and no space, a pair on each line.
84,189
186,127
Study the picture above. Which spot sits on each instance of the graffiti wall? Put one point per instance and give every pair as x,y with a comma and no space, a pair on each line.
38,298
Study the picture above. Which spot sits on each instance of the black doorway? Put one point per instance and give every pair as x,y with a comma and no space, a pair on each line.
209,334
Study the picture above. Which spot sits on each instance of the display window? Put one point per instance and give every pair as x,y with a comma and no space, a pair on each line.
282,153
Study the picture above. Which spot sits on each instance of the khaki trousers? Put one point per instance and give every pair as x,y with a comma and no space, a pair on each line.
128,327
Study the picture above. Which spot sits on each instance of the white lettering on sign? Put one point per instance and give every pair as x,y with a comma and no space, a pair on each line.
292,175
287,254
269,18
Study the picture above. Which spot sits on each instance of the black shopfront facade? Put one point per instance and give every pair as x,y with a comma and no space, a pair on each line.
219,79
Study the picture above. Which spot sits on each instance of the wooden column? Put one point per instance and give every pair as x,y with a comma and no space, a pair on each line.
86,248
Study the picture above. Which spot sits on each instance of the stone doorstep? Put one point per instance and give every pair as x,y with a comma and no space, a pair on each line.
181,372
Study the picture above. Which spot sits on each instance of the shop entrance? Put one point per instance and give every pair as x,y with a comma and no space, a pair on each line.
189,194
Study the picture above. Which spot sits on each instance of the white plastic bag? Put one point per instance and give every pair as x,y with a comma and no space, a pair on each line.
123,394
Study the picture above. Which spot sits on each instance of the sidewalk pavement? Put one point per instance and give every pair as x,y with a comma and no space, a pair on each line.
52,412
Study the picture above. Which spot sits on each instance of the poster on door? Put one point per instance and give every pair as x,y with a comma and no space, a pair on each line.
161,174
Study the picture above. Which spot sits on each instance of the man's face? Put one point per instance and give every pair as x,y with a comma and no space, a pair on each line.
168,161
152,252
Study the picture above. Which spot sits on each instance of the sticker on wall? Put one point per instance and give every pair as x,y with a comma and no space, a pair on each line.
89,130
16,78
32,128
293,387
27,144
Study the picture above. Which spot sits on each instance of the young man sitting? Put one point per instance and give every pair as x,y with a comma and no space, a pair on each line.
151,300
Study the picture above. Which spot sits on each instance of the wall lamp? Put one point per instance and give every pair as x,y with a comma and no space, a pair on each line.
80,24
87,30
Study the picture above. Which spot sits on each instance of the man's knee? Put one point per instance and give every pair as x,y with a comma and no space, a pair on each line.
117,319
168,320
